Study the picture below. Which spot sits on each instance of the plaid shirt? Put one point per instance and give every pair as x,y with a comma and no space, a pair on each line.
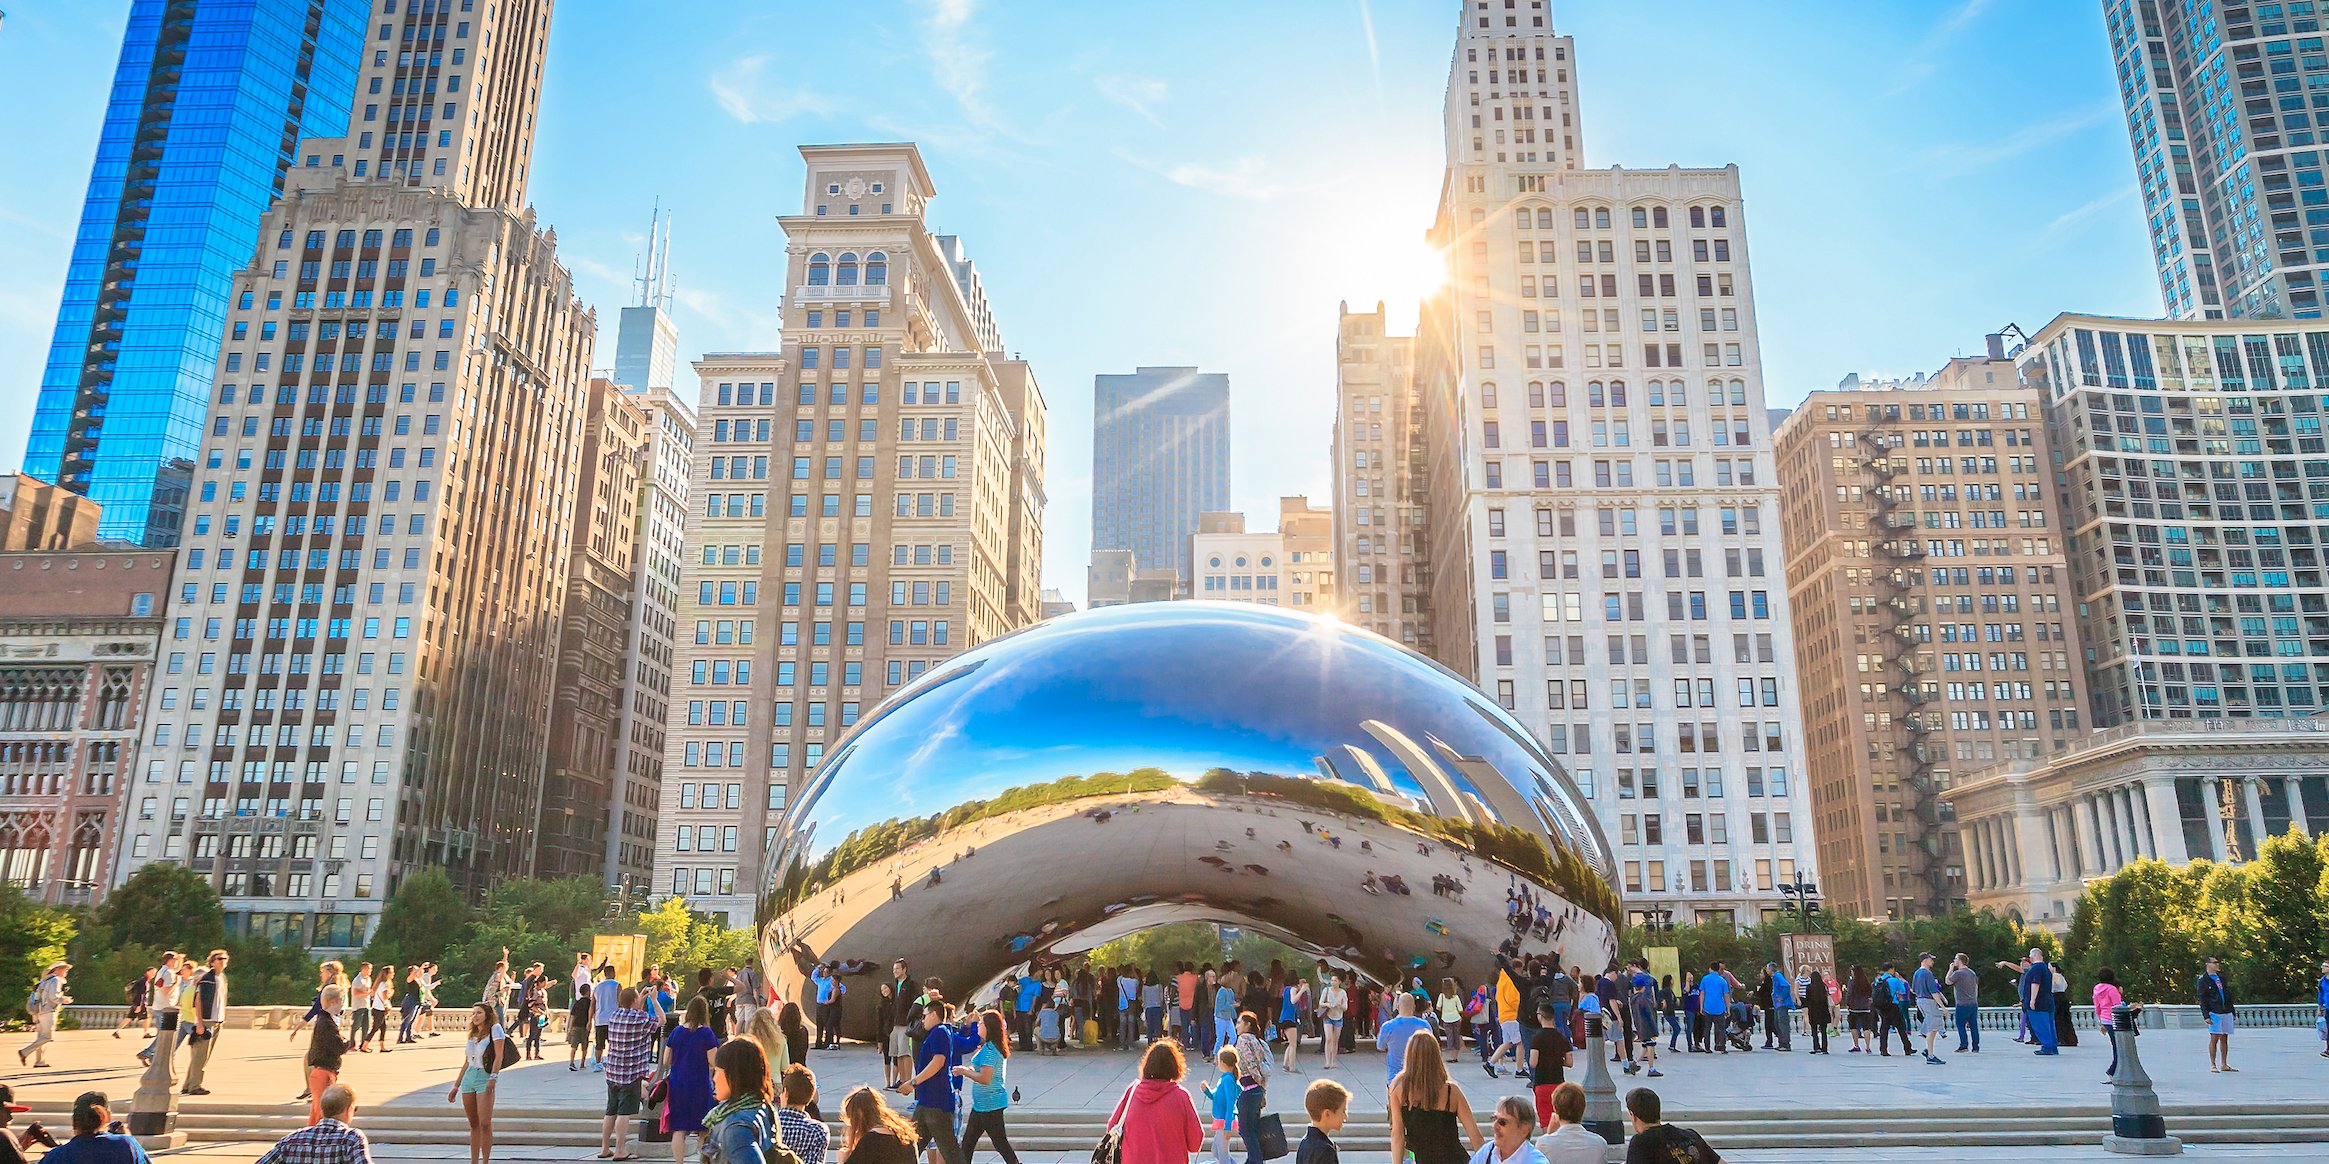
806,1137
329,1142
630,1055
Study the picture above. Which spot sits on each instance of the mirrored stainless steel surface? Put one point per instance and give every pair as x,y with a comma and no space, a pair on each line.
1115,769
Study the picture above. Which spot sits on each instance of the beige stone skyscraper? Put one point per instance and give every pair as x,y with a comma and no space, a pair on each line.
867,501
365,619
1935,621
1378,452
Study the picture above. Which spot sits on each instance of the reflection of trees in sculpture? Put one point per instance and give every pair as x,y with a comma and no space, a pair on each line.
874,844
1556,866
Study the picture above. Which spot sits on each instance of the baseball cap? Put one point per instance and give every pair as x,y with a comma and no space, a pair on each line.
8,1100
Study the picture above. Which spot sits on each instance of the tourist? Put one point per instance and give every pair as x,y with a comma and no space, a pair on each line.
1152,1005
1394,1038
498,986
1157,1119
904,1013
139,995
742,1126
578,1019
47,1002
329,1139
1327,1103
1965,1000
2107,1001
605,998
1294,1016
795,1028
932,1084
1859,1005
1816,1011
378,1001
1714,1001
871,1133
1670,1008
799,1127
481,1048
751,995
1781,1011
1510,1141
408,1005
628,1059
163,1003
1449,1008
1549,1057
687,1066
989,1094
534,1010
1333,1001
1640,1007
1428,1111
825,993
2065,1032
209,1021
2018,969
326,1047
91,1142
2037,995
1253,1060
358,1000
1221,1096
2321,998
1508,994
2216,1009
329,974
1925,988
1569,1141
1656,1142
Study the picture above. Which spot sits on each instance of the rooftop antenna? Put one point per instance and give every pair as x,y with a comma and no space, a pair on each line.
653,275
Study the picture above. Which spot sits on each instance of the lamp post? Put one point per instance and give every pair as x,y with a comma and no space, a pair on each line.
1604,1116
2137,1127
153,1114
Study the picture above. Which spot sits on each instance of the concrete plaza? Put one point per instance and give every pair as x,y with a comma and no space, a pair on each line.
258,1072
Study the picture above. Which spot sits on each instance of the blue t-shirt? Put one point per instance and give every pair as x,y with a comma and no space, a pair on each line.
1287,1011
603,996
1393,1036
824,987
98,1149
991,1096
1714,994
2040,976
1645,993
937,1091
1926,984
1029,988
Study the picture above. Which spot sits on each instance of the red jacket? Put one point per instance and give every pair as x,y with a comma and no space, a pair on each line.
1159,1122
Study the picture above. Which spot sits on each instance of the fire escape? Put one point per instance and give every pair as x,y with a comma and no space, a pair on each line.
1893,529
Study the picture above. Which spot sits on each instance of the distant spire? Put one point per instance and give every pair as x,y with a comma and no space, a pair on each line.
653,276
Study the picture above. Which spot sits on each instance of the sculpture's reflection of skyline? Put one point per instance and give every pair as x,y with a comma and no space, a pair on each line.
1240,763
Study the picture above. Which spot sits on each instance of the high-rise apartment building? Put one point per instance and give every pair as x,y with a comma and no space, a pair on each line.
867,503
2195,485
1160,457
1601,517
657,567
2226,150
210,102
1936,630
1382,561
578,805
364,631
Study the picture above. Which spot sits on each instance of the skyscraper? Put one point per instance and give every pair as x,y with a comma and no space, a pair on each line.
869,503
364,630
1160,457
209,103
657,564
1935,621
1599,513
646,340
1378,457
2227,152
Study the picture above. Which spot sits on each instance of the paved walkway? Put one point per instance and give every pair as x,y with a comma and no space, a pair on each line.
2228,1154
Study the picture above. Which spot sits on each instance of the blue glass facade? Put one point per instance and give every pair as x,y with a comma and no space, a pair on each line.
209,102
1160,457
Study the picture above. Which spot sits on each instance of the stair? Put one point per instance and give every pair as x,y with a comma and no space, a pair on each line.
1369,1135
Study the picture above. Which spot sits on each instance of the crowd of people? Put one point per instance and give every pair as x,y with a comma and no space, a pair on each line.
725,1062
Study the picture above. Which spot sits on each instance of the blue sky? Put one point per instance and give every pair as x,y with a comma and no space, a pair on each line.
1201,182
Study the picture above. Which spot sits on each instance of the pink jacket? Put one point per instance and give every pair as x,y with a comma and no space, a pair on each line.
1160,1123
2106,1001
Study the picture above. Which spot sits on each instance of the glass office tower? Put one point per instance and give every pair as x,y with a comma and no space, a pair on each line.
209,102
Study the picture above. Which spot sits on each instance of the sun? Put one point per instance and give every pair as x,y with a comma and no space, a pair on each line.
1414,267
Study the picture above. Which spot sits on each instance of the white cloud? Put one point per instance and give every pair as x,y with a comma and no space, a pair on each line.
744,91
1247,177
1919,64
1139,94
2076,215
1958,158
960,61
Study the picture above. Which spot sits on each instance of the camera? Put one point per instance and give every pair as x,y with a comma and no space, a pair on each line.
34,1133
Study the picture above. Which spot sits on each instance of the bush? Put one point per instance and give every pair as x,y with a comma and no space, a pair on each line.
2153,924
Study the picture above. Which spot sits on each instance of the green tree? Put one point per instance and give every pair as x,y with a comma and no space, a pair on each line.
164,906
2285,900
32,936
422,920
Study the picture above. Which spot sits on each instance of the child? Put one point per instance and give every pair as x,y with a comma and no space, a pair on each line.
1327,1103
1223,1094
1047,1028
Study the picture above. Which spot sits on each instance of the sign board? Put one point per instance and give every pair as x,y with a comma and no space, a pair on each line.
627,953
1665,962
1800,954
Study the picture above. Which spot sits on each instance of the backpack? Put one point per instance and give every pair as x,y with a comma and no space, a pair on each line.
1683,1146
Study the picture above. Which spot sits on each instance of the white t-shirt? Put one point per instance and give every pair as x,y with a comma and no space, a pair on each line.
478,1047
165,994
1331,1001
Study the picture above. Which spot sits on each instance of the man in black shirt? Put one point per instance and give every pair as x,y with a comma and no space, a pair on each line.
1655,1142
1548,1055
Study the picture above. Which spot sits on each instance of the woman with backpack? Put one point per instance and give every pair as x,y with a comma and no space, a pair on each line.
482,1057
137,994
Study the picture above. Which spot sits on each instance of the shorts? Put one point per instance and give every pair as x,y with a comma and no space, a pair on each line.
901,1043
622,1099
1930,1011
1509,1031
474,1080
2220,1024
1544,1103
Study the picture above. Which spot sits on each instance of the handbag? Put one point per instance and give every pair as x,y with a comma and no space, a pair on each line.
1270,1133
1110,1149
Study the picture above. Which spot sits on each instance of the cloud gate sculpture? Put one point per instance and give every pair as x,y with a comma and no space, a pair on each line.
1104,772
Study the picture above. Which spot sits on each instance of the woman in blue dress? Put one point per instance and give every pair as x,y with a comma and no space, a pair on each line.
688,1070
